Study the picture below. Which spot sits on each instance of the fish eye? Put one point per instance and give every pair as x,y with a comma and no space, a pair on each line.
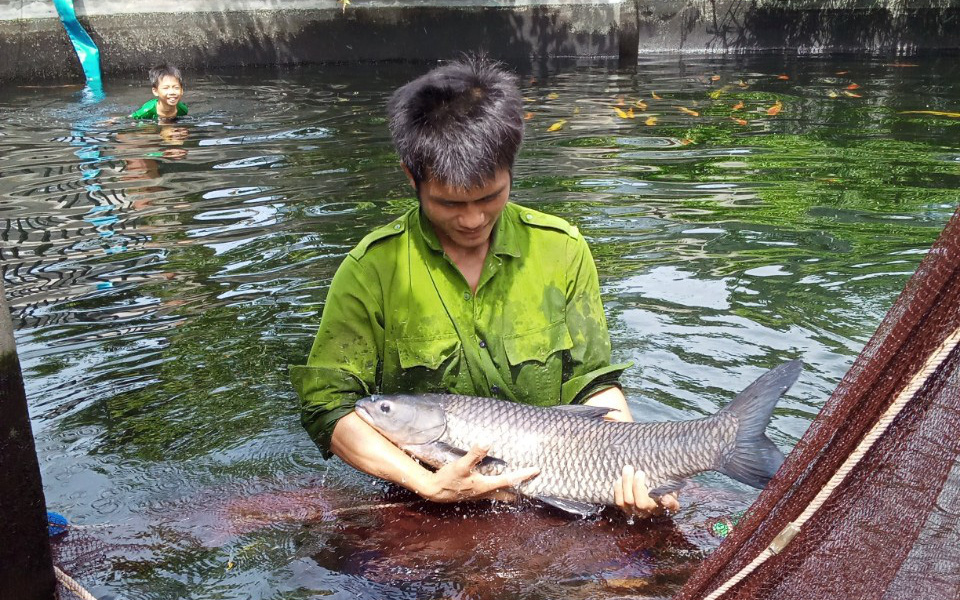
384,407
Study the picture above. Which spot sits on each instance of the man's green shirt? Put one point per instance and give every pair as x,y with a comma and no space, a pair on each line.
400,318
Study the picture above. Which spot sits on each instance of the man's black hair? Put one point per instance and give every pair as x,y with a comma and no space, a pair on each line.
459,123
165,70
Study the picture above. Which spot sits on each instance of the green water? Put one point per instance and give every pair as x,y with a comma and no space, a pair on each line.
162,281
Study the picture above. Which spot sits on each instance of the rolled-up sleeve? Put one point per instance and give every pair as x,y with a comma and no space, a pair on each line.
342,366
587,369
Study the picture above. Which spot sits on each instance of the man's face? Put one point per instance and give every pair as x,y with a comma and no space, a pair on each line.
168,90
464,219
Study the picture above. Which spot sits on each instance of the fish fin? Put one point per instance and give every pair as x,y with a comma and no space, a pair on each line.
437,454
491,466
755,458
583,509
582,410
667,487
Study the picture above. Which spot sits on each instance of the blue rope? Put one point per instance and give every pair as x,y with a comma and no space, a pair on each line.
87,51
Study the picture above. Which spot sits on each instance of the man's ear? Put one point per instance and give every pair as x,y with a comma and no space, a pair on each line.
409,175
155,92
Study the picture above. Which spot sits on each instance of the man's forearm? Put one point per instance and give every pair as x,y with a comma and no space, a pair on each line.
362,447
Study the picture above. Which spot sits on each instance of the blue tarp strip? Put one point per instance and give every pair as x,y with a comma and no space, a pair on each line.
87,51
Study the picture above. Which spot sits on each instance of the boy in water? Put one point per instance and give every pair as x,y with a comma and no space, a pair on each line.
168,88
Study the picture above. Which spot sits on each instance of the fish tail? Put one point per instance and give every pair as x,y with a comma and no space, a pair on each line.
755,458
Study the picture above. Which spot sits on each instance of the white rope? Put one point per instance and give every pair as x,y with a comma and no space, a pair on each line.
365,508
71,584
791,530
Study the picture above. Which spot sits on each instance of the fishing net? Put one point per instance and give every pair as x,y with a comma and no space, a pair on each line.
887,524
79,554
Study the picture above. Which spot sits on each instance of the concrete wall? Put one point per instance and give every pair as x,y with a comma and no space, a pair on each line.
811,26
203,33
197,34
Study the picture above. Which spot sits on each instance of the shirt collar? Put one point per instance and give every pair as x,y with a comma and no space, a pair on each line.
504,233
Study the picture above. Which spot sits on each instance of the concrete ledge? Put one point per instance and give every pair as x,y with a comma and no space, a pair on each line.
200,34
38,48
802,26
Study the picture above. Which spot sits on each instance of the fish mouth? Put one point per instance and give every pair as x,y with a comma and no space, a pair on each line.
362,410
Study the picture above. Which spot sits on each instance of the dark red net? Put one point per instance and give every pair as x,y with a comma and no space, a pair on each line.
891,529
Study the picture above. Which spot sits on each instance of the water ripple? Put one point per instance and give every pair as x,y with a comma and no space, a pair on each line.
163,279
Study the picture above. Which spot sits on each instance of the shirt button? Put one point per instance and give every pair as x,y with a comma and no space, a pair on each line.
528,216
483,344
494,390
466,295
398,226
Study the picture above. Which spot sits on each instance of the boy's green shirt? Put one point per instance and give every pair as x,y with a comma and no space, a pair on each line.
149,110
400,318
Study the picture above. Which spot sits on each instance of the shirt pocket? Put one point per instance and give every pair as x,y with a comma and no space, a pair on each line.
429,354
538,345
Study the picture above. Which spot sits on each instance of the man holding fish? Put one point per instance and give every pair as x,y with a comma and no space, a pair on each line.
468,293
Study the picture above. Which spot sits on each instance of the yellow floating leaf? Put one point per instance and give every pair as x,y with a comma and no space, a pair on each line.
901,65
715,78
655,96
687,111
344,4
936,113
576,110
783,77
842,72
528,116
739,121
557,126
742,84
620,112
833,94
737,106
851,94
525,99
650,121
720,91
641,105
553,96
853,86
775,109
630,114
686,142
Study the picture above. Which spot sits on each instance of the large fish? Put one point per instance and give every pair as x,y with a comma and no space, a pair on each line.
580,454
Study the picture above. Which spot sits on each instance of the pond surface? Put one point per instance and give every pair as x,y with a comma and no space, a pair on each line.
752,211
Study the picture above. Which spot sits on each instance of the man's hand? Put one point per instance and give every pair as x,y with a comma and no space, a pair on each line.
631,495
458,481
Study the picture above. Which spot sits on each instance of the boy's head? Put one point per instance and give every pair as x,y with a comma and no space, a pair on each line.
459,124
167,83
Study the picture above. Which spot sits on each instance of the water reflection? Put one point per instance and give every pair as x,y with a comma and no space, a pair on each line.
162,279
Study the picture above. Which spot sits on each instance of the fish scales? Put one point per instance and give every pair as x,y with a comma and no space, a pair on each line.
581,458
